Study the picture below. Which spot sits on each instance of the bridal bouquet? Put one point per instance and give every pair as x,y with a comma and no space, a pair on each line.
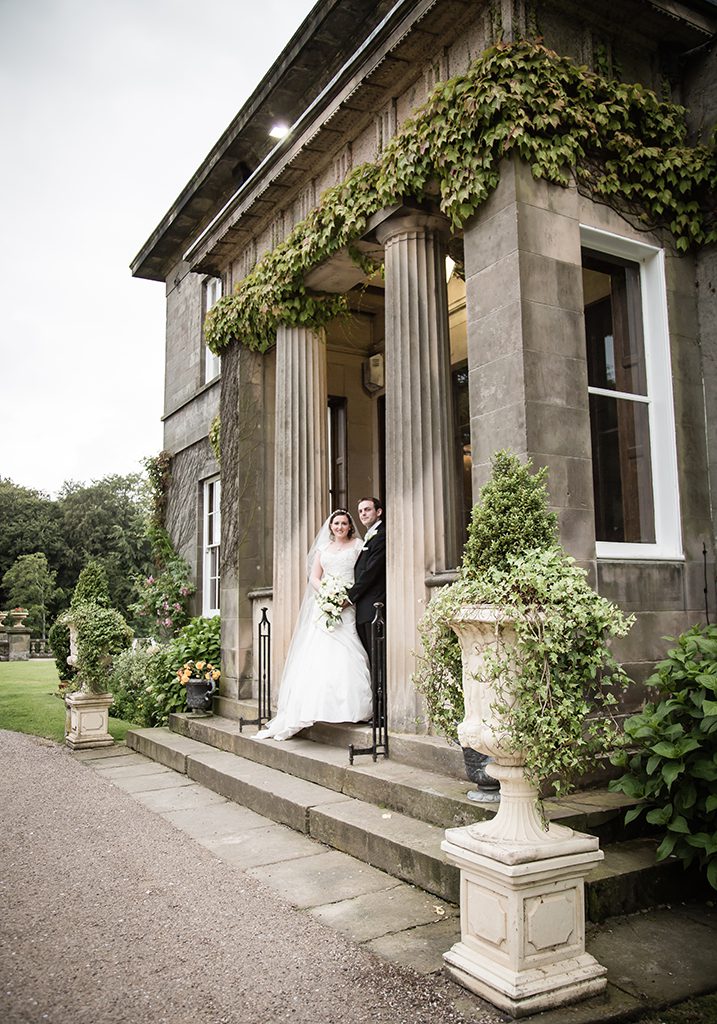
330,598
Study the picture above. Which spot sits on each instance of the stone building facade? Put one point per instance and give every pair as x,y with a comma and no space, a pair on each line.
575,336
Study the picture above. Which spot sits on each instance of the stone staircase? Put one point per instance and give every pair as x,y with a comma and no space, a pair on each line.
392,813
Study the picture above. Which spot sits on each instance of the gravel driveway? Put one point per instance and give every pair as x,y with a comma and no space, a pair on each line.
109,914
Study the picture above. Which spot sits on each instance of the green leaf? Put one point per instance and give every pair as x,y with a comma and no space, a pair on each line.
678,824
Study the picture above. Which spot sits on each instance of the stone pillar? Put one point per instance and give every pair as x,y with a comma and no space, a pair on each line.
18,638
421,517
300,474
247,410
526,343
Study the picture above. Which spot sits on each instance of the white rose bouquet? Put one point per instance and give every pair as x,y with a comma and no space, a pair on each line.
330,598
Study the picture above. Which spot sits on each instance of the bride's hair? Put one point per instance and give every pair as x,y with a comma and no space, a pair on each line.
342,512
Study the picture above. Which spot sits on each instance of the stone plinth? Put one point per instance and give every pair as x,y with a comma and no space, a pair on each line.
522,941
421,516
88,720
18,639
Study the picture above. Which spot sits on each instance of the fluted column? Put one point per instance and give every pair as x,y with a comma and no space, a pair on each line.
421,521
300,473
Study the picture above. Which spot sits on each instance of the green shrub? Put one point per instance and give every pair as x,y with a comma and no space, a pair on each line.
92,585
132,672
162,601
672,766
200,640
59,641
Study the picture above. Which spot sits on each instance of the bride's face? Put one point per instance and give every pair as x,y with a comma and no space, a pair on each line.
340,527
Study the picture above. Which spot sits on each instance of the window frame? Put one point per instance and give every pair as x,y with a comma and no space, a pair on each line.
208,611
212,364
659,399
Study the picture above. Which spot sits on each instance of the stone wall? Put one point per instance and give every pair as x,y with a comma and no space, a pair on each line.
190,467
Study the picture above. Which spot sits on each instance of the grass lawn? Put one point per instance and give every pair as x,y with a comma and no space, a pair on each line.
28,704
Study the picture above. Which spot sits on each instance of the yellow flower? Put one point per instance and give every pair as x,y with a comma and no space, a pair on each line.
215,674
200,665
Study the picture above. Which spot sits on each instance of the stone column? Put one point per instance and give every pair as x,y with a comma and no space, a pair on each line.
247,413
300,474
421,517
526,343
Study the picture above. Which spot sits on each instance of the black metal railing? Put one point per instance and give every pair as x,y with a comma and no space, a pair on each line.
379,721
263,675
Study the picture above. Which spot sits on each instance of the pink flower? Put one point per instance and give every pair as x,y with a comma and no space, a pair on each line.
166,622
184,591
150,580
177,606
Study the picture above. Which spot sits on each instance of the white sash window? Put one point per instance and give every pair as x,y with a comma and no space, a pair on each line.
632,425
212,538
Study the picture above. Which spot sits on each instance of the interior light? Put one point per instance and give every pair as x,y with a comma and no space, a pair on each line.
279,130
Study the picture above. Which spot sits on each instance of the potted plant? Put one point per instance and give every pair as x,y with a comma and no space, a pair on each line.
200,679
97,633
537,682
516,663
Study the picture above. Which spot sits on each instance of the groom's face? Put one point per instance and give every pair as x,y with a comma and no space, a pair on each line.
367,513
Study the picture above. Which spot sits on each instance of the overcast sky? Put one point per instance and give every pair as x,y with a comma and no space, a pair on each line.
107,107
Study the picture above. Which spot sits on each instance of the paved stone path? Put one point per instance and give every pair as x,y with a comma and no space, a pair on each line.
128,893
110,914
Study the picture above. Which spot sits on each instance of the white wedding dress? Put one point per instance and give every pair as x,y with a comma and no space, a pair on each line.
326,677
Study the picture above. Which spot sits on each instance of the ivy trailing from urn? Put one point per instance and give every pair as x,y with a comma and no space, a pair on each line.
618,142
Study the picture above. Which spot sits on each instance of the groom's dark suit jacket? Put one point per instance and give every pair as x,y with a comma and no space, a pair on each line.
370,577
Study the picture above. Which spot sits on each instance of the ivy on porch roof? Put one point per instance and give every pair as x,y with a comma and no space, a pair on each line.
616,141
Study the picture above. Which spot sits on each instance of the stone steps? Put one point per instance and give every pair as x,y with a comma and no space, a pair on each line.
429,795
331,806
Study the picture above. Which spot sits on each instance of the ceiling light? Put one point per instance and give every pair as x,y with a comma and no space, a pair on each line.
279,130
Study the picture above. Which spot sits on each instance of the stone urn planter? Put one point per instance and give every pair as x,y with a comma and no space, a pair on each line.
199,694
201,681
18,616
522,884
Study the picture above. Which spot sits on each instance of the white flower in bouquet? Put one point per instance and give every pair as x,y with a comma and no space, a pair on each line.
330,598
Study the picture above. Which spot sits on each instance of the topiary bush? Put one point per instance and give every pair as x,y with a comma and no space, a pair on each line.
92,585
59,640
101,634
510,517
670,757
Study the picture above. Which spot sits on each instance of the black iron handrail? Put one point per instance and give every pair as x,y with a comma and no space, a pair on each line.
264,675
379,718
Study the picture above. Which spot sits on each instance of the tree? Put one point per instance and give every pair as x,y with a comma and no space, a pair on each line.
107,521
30,521
30,583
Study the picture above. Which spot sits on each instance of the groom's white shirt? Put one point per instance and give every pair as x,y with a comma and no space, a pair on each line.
371,532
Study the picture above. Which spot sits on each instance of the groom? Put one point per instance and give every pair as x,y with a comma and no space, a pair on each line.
370,569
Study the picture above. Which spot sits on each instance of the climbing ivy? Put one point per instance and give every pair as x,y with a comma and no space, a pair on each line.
617,141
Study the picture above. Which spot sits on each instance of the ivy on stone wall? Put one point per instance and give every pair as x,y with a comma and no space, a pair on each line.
618,142
214,436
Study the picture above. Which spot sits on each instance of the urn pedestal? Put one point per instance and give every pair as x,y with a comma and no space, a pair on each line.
87,722
522,902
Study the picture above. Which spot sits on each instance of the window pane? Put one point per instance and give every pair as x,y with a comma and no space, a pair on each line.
622,476
613,325
462,420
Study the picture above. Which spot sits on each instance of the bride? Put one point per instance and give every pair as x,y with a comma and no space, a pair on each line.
326,676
